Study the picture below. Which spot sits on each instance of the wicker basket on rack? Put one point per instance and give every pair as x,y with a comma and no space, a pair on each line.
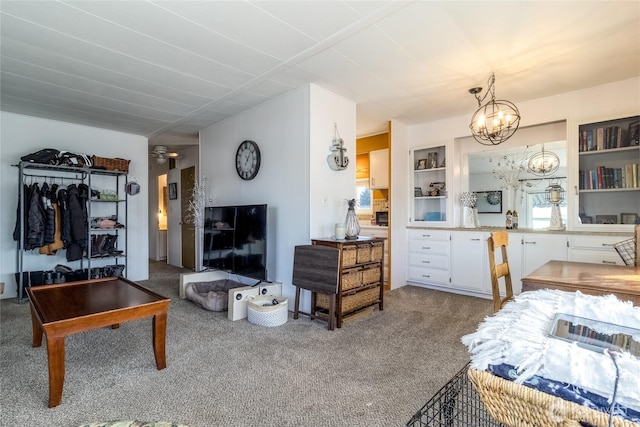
351,278
116,164
349,256
353,301
371,274
517,405
376,251
364,253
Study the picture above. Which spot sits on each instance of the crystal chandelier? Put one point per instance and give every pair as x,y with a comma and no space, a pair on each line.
497,120
543,163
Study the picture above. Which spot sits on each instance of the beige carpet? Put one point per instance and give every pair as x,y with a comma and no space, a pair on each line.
377,370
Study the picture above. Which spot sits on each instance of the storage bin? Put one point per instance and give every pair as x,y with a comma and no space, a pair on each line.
353,301
348,255
377,250
261,311
363,253
371,274
115,164
351,278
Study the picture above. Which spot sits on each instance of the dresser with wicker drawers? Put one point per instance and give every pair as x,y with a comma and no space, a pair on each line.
361,276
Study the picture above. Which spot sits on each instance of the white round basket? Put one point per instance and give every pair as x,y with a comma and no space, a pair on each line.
261,311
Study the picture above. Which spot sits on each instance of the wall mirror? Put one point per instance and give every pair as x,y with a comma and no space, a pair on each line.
479,164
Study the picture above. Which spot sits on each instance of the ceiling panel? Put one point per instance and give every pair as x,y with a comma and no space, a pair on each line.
166,69
244,23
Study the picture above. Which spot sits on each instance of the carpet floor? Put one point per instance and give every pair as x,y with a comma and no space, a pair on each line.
377,370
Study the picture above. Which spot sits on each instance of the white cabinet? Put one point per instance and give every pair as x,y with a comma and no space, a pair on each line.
428,257
595,249
379,169
539,248
429,191
469,259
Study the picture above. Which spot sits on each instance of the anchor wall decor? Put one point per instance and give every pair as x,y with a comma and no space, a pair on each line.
337,160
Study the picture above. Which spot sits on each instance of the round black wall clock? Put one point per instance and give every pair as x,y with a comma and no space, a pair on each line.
248,160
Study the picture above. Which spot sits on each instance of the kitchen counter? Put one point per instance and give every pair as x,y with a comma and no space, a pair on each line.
527,230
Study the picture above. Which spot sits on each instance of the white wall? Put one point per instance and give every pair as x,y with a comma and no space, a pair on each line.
294,133
21,135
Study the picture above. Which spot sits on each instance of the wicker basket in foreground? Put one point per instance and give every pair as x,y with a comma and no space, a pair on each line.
517,405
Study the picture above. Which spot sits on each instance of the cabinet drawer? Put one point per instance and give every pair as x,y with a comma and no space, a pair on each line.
431,235
427,275
595,242
597,257
429,247
439,262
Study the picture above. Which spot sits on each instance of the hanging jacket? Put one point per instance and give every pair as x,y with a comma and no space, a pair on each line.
77,212
49,215
20,221
52,248
34,232
65,218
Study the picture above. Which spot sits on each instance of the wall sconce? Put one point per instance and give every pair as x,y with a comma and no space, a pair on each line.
337,160
497,120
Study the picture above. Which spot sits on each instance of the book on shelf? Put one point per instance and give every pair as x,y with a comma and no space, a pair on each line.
590,334
602,177
603,138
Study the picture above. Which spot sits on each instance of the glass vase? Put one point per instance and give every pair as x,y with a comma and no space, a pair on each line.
352,227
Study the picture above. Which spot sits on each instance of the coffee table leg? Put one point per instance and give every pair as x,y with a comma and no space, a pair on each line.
36,327
55,354
159,339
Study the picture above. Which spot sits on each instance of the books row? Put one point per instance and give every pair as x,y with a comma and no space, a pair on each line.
605,138
604,178
585,335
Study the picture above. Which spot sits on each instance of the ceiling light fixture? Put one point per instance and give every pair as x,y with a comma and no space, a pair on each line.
497,120
543,163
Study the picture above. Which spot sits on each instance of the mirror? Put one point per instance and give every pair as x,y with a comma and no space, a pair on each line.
505,169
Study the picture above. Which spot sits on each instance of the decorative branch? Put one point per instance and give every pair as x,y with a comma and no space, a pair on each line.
195,210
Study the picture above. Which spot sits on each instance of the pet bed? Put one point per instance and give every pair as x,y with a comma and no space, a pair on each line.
212,295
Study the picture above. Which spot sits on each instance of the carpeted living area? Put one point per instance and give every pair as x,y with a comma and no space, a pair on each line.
377,370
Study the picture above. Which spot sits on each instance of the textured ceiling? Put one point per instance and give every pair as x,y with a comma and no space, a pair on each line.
166,69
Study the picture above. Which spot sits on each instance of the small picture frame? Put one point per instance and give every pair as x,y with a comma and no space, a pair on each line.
586,219
422,164
173,191
417,192
432,160
633,134
606,219
628,218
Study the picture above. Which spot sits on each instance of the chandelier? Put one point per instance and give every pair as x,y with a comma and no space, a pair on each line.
543,163
497,120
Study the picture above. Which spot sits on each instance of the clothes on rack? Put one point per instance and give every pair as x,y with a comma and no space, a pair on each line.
54,219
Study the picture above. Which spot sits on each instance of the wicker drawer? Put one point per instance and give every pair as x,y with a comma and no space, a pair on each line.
354,301
377,251
363,253
371,274
349,255
351,278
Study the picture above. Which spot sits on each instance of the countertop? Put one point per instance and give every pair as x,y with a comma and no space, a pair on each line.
527,230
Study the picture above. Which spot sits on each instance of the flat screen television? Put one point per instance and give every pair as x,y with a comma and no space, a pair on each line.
235,240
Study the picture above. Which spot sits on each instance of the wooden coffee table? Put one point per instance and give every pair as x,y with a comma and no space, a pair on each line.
68,308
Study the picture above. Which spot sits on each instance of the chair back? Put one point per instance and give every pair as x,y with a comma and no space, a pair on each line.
316,268
499,240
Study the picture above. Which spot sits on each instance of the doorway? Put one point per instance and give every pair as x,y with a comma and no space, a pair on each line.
187,182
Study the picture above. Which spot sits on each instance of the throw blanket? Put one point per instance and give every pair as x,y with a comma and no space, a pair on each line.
518,335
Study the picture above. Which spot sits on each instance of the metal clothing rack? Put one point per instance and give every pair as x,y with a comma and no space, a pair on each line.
62,174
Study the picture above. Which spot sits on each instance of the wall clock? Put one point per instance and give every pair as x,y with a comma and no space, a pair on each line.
248,160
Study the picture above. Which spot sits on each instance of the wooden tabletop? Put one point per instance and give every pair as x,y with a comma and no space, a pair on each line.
589,278
55,303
